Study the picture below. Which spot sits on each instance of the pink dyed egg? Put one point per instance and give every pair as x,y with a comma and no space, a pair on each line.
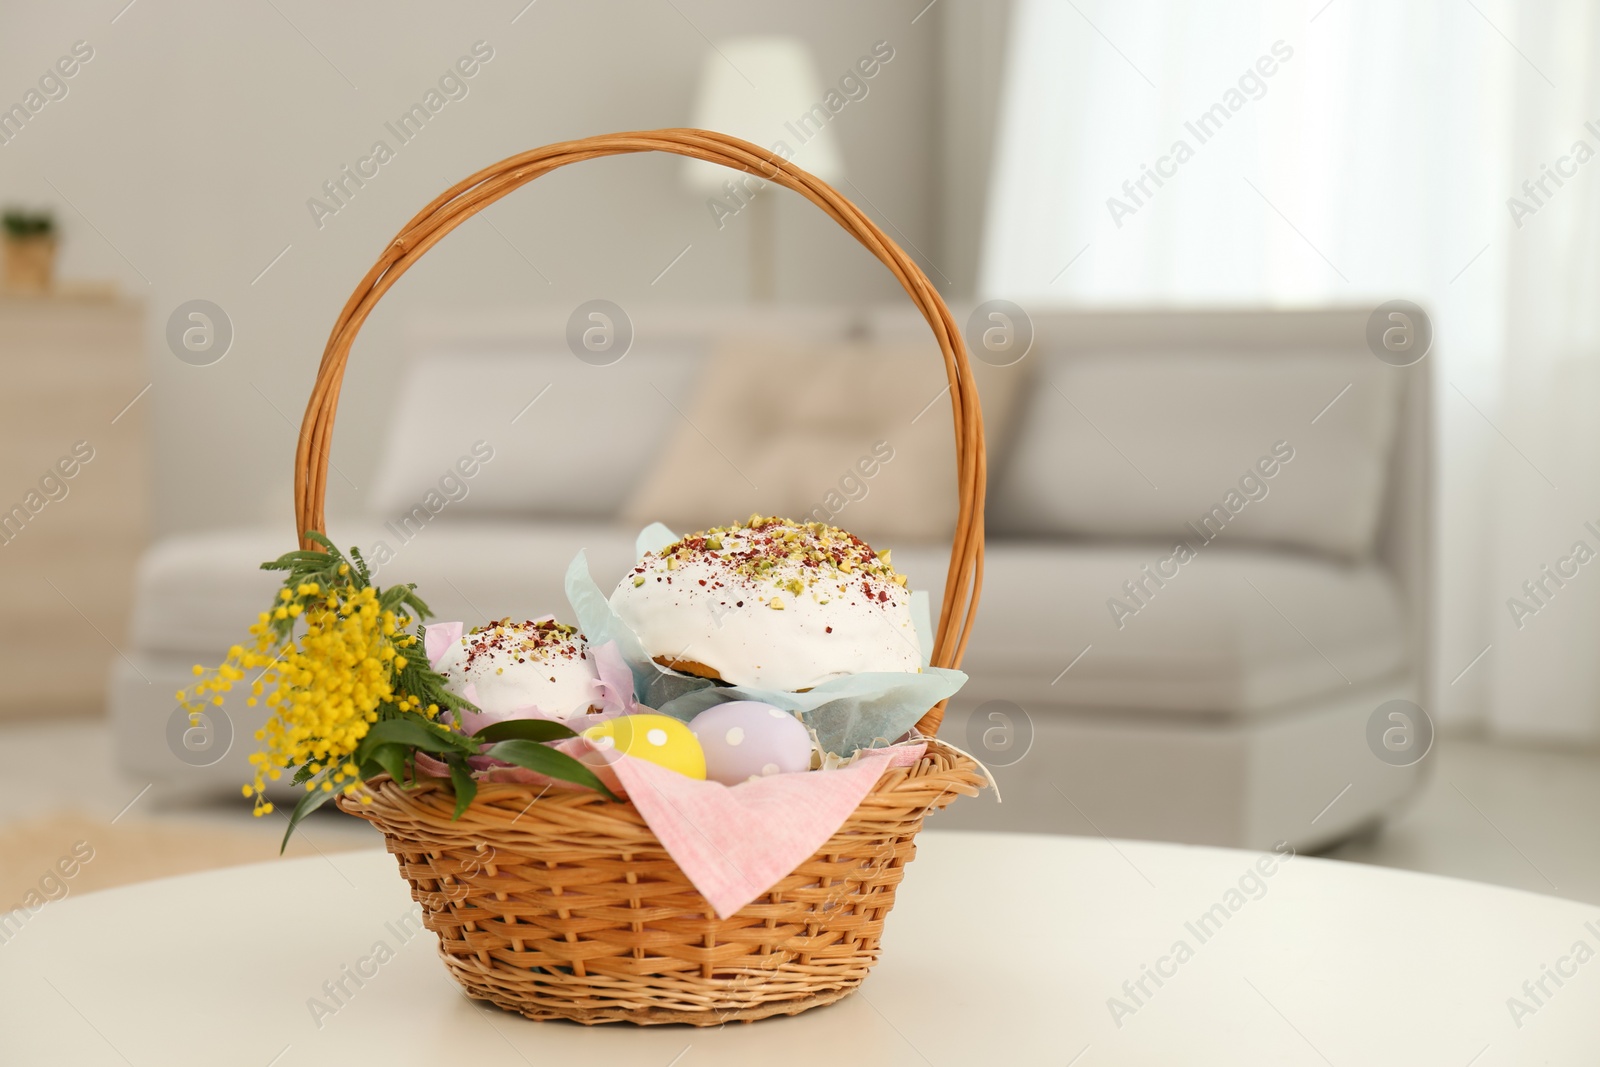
745,739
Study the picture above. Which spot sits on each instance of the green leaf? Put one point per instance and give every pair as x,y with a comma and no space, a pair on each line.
419,607
413,733
299,555
392,597
466,788
524,730
322,539
427,685
549,762
308,804
301,775
392,758
358,564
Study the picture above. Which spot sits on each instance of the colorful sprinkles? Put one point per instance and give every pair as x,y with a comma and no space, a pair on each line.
782,556
538,639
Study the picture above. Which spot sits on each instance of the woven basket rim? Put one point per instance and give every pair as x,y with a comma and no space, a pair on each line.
437,794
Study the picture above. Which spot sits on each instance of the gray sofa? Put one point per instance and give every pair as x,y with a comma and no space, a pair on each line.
1217,695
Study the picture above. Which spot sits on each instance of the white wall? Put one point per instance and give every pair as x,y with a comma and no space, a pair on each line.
974,59
194,137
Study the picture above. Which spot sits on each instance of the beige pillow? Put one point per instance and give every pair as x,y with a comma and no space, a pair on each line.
855,434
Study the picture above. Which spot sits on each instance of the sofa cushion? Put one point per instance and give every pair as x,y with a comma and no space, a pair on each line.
568,439
1139,445
856,433
1211,641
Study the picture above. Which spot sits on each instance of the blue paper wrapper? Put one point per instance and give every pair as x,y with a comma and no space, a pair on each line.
653,538
860,711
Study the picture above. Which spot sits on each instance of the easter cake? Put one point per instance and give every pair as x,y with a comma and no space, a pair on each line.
771,603
514,666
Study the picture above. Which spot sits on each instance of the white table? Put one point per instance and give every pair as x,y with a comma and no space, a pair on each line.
1002,949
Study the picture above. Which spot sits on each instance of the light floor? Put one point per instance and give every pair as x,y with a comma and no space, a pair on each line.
1517,817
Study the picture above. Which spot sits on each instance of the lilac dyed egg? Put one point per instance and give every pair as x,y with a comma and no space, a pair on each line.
746,739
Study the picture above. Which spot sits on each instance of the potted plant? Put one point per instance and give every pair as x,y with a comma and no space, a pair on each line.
30,257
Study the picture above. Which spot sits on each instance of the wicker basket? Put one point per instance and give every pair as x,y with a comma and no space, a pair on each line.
560,904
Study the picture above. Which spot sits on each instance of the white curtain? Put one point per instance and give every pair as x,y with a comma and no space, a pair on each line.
1370,156
1546,678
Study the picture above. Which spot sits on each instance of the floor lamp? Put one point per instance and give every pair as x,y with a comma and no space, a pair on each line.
765,90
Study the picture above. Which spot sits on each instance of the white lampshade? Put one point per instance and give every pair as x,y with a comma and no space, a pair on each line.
765,90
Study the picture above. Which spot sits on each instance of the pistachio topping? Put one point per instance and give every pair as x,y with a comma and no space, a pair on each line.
809,558
542,639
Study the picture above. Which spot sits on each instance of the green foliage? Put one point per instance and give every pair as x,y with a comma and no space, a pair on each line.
387,759
524,730
21,223
548,762
427,685
308,804
410,730
465,787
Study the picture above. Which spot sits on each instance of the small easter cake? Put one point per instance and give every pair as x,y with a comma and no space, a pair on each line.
771,603
514,666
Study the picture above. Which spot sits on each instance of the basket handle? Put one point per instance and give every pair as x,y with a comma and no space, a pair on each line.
466,198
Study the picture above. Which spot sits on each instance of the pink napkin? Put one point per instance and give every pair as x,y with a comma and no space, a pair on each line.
736,842
437,637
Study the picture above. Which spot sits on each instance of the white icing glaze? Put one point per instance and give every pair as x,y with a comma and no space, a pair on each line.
516,665
708,599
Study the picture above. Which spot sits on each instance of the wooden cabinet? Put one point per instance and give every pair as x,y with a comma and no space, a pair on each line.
74,492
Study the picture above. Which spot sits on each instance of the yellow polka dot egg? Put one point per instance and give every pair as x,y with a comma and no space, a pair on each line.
660,739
